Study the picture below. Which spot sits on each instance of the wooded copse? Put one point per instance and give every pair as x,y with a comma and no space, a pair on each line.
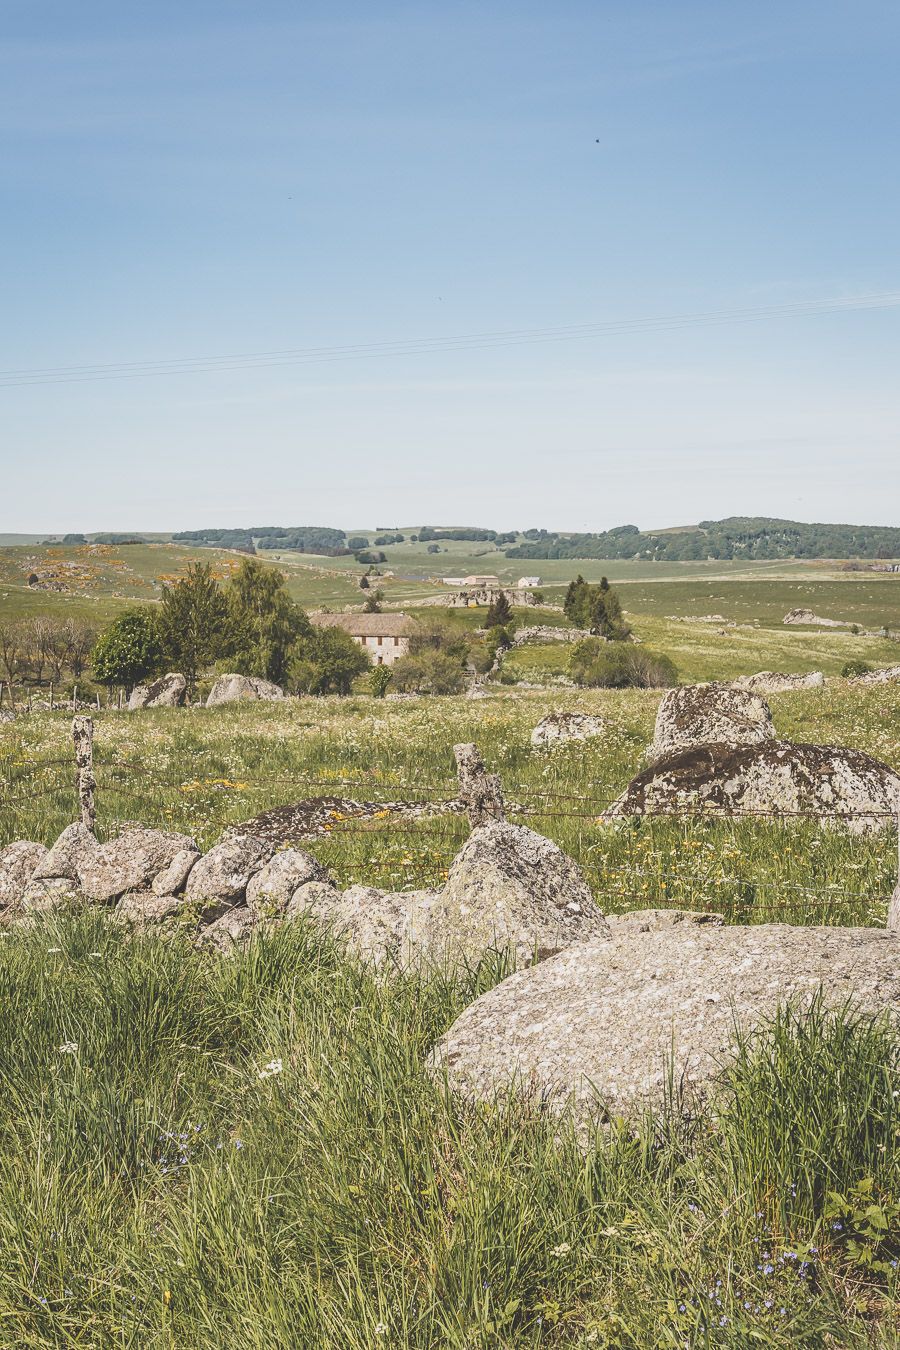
45,649
251,626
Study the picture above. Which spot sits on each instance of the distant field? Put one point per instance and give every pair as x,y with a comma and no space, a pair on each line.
101,580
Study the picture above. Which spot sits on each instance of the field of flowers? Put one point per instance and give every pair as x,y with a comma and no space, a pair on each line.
200,1151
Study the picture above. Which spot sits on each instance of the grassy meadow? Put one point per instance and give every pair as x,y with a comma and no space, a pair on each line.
247,1153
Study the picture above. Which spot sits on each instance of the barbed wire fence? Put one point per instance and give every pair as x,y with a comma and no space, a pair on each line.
422,810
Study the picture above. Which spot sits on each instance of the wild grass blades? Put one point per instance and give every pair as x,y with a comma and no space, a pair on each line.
159,1187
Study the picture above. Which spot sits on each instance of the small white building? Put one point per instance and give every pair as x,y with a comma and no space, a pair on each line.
527,583
384,636
454,581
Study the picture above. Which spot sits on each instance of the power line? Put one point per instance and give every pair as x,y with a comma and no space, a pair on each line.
490,339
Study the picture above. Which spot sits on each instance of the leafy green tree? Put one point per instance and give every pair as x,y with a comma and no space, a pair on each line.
194,622
603,665
130,650
264,622
432,632
327,661
430,671
379,679
373,602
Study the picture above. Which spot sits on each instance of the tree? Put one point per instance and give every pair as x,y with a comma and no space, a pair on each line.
430,671
379,679
193,622
595,608
602,665
499,612
130,650
373,602
12,650
433,633
79,639
327,661
264,622
364,582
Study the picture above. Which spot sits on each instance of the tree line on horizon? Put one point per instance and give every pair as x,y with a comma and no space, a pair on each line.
751,538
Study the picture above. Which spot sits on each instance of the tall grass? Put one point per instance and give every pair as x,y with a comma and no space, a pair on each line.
198,1151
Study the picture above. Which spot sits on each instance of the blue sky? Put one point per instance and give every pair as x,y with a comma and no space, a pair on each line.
198,180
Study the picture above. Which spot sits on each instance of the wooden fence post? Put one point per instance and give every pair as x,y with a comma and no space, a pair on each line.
83,736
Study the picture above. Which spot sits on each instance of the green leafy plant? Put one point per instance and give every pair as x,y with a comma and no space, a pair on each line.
379,679
866,1225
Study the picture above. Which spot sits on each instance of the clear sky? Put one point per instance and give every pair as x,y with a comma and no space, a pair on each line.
185,180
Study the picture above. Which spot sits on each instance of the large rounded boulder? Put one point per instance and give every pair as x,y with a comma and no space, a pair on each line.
169,691
604,1027
705,714
773,778
243,688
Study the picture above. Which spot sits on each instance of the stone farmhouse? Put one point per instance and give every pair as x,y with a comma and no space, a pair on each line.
384,636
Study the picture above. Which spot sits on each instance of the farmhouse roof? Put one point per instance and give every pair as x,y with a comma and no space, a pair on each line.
366,625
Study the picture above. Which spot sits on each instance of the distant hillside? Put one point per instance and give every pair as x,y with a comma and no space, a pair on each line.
743,537
299,538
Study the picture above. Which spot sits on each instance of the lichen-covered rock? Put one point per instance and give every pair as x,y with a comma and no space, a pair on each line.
169,691
144,909
18,863
887,675
373,923
173,878
270,889
773,682
235,688
601,1025
131,862
509,887
315,899
806,616
557,728
54,881
230,930
774,778
705,714
74,848
220,877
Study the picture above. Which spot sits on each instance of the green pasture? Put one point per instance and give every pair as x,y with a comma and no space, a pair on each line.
204,1152
197,770
248,1153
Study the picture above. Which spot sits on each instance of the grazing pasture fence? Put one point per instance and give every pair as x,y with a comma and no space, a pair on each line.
430,814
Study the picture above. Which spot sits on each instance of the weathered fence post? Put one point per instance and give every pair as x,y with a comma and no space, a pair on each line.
83,736
479,792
